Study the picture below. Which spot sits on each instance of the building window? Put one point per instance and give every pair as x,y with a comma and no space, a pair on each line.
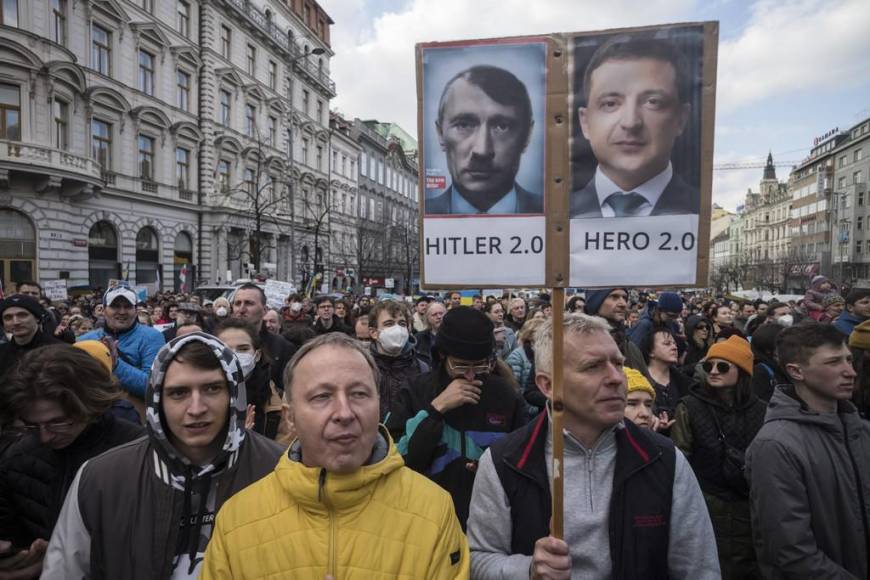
859,223
147,5
182,80
10,112
182,168
320,112
146,72
860,198
363,165
858,247
252,60
250,120
344,165
250,185
182,18
856,177
226,37
305,100
101,50
273,75
9,13
842,161
146,158
305,151
334,165
273,131
841,182
319,159
58,21
101,143
858,155
225,108
61,124
223,175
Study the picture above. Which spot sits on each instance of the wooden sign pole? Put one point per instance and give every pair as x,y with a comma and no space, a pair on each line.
558,410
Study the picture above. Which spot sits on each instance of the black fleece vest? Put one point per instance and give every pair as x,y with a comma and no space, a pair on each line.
640,506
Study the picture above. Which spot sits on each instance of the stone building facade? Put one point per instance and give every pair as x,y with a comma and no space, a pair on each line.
139,137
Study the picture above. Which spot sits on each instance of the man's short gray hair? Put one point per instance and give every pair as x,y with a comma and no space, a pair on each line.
573,323
337,339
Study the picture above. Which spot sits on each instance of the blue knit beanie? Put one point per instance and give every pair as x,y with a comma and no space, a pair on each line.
595,298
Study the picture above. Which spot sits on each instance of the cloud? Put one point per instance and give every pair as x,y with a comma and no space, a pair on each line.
375,70
793,46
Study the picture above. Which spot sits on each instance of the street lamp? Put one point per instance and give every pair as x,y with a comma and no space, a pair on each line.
290,63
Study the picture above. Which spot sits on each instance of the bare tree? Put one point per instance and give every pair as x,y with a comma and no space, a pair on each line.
405,249
260,197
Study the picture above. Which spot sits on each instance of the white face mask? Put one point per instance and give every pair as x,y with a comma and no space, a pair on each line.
248,362
785,320
393,339
221,311
295,306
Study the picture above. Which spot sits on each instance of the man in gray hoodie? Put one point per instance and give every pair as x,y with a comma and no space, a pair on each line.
632,505
809,466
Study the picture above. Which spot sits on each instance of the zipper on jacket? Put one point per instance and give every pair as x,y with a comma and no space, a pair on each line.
331,567
590,458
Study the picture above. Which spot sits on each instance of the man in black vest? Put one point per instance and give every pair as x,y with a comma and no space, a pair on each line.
624,486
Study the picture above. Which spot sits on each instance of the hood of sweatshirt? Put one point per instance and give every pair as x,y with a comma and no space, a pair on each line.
178,465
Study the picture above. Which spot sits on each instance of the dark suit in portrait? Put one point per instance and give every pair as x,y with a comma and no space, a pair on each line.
527,203
678,198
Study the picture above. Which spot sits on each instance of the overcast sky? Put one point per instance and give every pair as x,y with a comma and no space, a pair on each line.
788,70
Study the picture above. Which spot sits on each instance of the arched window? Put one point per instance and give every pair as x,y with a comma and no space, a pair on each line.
17,247
103,261
147,256
183,255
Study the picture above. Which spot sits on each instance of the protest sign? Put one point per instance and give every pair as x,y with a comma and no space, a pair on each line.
277,292
55,290
567,159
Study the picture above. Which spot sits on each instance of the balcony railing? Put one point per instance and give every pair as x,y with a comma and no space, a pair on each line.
316,73
40,156
258,18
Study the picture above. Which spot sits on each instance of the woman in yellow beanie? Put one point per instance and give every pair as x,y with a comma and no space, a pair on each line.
714,425
639,401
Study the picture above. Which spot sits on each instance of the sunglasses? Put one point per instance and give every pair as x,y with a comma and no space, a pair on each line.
722,367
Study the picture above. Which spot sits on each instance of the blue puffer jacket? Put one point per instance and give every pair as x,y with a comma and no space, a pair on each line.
847,322
137,348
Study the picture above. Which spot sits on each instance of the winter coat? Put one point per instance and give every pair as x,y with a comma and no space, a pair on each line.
847,322
446,447
137,347
426,348
814,296
809,476
521,365
11,352
667,396
34,478
396,373
633,509
337,326
381,521
143,510
765,376
696,432
280,351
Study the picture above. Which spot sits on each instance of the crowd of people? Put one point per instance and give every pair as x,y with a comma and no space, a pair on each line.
360,437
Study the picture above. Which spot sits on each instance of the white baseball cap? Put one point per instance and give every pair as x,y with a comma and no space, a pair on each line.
120,292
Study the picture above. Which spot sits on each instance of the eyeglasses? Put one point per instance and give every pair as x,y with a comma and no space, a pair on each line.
722,367
478,369
56,427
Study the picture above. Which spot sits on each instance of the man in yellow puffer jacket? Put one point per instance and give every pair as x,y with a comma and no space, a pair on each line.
341,502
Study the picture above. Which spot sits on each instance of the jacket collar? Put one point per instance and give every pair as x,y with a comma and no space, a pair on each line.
319,491
635,449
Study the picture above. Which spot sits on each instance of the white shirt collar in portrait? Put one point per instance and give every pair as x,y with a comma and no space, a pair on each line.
651,191
506,205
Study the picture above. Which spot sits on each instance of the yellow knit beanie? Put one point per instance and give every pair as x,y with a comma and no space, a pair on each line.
637,382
